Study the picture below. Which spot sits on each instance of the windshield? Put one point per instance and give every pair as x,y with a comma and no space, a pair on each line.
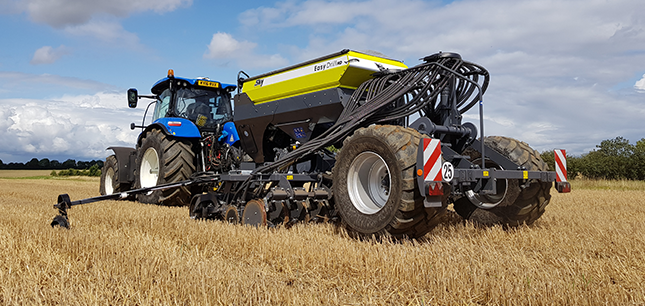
161,109
204,107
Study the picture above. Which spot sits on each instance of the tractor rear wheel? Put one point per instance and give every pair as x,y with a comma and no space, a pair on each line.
517,203
163,159
110,177
375,187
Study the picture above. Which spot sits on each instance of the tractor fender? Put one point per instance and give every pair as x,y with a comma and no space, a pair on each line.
177,127
125,159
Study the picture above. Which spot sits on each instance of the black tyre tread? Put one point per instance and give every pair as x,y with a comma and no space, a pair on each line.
411,219
179,166
532,200
177,163
111,162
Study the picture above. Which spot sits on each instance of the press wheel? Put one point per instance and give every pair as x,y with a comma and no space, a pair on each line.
254,213
231,215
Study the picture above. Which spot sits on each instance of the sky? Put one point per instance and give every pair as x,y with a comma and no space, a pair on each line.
564,74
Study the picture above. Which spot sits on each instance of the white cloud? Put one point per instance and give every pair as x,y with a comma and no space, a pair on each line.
63,13
549,116
49,55
73,126
476,27
98,19
224,47
554,65
107,31
640,84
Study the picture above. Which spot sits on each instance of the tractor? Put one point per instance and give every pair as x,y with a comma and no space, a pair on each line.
191,131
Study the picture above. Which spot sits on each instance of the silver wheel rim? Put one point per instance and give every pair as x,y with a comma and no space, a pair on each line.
149,169
109,177
368,183
489,201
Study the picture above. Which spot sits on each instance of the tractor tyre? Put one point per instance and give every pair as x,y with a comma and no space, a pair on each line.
163,159
375,187
110,177
519,203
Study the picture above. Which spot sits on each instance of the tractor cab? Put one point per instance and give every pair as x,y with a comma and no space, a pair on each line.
204,102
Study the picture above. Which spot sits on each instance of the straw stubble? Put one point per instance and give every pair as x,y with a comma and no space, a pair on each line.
587,249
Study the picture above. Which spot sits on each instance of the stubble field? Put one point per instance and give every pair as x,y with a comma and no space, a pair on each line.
588,249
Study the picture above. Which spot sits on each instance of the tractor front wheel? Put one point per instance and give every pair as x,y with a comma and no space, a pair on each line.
163,159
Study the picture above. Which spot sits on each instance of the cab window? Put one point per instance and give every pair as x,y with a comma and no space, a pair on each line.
161,109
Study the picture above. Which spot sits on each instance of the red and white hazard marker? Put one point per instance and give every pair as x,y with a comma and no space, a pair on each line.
432,160
561,183
432,169
560,165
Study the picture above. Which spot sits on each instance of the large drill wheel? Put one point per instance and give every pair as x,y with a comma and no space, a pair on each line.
164,159
516,203
375,186
110,177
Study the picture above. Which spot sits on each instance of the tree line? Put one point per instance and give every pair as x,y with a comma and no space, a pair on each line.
613,159
46,164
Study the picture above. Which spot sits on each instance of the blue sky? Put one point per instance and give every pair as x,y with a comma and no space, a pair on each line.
565,74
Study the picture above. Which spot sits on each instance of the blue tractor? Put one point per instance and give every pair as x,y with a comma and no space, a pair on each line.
191,131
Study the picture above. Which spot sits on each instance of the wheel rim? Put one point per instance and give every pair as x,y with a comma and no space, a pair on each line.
109,178
488,201
368,183
149,169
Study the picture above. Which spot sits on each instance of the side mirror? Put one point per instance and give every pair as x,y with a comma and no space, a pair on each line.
133,97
